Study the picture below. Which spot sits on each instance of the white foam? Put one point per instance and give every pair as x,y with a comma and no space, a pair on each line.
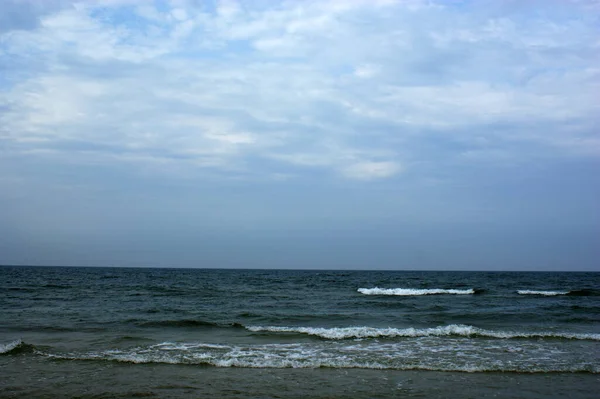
186,346
545,293
405,355
6,348
413,291
450,330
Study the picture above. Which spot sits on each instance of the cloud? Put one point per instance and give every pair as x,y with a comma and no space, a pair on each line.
26,14
366,71
371,170
354,88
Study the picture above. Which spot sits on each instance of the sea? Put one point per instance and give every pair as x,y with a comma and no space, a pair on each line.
72,332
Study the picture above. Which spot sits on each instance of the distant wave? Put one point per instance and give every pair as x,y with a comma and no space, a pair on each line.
584,292
544,293
57,286
414,291
450,330
185,323
176,323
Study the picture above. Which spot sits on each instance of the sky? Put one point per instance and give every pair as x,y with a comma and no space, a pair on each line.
342,134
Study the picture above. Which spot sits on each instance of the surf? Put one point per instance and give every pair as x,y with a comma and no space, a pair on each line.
338,333
414,291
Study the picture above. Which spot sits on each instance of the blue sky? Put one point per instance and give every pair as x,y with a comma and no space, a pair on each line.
381,134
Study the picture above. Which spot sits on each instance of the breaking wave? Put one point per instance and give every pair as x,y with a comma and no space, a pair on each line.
414,291
376,356
584,292
14,347
450,330
543,293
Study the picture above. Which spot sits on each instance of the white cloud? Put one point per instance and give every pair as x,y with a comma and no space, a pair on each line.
179,14
366,71
351,87
371,170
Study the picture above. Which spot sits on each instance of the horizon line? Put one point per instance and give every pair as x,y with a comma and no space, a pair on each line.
305,269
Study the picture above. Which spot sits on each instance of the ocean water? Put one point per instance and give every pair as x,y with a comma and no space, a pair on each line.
180,333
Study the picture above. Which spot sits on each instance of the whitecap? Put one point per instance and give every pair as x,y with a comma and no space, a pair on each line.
7,348
413,291
544,293
389,332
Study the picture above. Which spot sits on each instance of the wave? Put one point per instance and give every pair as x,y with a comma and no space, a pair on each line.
543,293
176,323
15,347
23,289
57,286
376,356
266,363
415,291
51,329
450,330
584,292
183,323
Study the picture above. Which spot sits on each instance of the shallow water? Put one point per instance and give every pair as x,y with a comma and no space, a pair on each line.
39,379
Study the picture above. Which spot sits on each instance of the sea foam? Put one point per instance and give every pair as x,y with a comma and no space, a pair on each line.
544,293
400,356
413,291
441,331
11,346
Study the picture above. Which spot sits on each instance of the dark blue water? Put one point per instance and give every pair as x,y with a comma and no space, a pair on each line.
280,326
